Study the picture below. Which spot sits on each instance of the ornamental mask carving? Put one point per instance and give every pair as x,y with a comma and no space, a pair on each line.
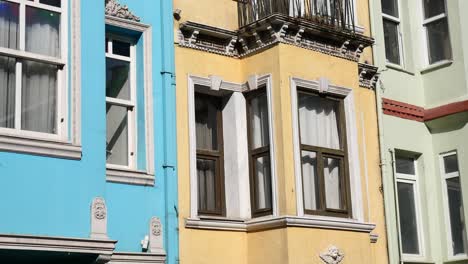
156,226
99,208
332,256
117,10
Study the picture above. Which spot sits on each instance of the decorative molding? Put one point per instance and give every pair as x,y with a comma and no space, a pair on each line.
155,238
133,258
101,247
129,177
373,237
445,110
40,147
113,8
270,31
255,225
332,256
368,75
99,218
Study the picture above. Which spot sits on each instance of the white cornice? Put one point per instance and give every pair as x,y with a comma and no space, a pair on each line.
130,258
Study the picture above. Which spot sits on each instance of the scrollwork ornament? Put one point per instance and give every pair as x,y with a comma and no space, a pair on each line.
332,256
121,11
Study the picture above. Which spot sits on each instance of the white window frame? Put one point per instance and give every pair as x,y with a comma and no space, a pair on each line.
425,39
130,174
397,20
444,177
413,180
323,86
243,202
66,143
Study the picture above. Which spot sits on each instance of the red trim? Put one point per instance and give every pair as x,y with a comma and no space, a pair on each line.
417,113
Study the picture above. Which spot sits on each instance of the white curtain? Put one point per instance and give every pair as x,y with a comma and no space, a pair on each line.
263,183
8,39
259,122
206,124
42,32
318,121
310,180
206,185
332,183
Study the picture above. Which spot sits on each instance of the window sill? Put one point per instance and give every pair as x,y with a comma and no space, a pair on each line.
129,177
41,147
279,222
436,66
397,67
457,259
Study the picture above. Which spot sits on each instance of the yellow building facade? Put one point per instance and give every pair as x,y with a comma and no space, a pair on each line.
319,202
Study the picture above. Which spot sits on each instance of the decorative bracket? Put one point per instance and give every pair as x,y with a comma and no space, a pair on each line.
230,48
344,47
298,37
113,8
216,82
252,82
358,52
193,38
324,85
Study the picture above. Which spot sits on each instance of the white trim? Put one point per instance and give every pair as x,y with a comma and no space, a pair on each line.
351,135
245,189
397,20
40,147
281,222
448,229
121,175
137,258
57,244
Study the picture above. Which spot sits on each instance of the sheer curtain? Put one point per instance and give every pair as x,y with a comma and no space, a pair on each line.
39,94
319,127
9,33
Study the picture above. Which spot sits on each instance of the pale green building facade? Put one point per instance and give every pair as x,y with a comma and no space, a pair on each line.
421,49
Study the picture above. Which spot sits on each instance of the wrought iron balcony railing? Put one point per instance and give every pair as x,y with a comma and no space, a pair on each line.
338,14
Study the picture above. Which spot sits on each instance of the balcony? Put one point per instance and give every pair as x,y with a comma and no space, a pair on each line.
336,14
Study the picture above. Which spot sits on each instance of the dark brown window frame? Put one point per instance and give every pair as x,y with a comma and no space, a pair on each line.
218,157
254,154
321,152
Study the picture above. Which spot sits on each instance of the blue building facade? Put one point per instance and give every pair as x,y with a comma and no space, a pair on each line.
88,170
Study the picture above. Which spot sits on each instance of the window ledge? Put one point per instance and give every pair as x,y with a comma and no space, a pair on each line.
279,222
58,149
397,67
436,66
129,177
457,259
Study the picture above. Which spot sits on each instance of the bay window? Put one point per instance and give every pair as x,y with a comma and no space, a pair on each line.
454,204
408,205
322,133
436,29
32,68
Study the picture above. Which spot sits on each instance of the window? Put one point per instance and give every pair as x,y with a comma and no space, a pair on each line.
408,205
392,34
32,69
437,31
210,168
322,132
120,103
259,153
454,204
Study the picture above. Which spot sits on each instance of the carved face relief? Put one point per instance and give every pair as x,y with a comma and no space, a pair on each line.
99,208
332,256
156,226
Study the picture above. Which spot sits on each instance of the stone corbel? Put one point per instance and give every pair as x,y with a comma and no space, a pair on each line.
216,82
257,38
252,82
181,36
282,32
272,32
358,52
298,37
243,43
344,47
362,74
99,219
193,38
231,46
374,238
324,85
156,238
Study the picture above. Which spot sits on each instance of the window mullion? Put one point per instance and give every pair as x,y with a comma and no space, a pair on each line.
18,90
321,178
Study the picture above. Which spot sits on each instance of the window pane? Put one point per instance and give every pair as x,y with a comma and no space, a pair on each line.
451,163
333,188
392,45
206,171
433,8
117,79
56,3
42,31
310,180
117,135
318,119
39,97
121,48
259,121
7,92
262,183
9,25
405,165
408,220
456,213
206,119
439,41
390,7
